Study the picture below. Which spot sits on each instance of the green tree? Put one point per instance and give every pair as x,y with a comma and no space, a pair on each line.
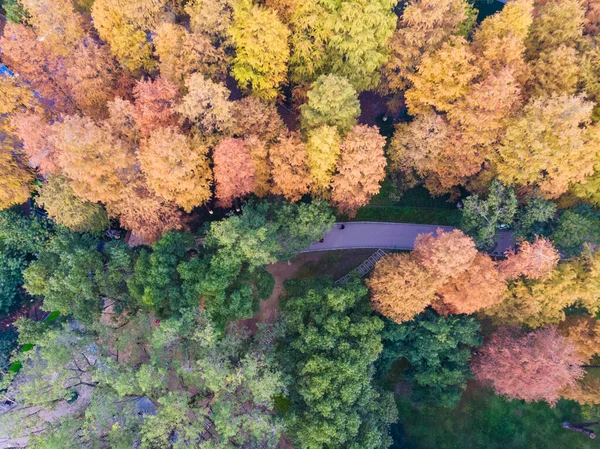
156,284
481,217
332,339
332,101
533,217
14,10
75,277
438,350
575,228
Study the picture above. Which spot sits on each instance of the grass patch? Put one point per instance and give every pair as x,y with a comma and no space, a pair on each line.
333,263
483,420
413,206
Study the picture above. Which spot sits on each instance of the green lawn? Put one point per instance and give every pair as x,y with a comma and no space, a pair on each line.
483,420
413,206
333,263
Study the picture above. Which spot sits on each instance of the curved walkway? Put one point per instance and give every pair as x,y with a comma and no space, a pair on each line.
401,236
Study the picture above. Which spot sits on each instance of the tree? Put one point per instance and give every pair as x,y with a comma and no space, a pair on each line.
37,65
234,171
58,199
331,342
481,217
361,169
16,180
15,96
556,71
549,145
323,150
574,229
206,103
346,39
533,260
176,168
532,217
262,51
442,78
289,167
500,39
65,275
438,350
56,22
147,215
92,77
447,254
479,287
538,302
121,24
332,101
96,163
262,166
531,366
423,27
36,134
154,104
182,54
212,19
584,331
156,285
433,149
14,11
401,287
250,116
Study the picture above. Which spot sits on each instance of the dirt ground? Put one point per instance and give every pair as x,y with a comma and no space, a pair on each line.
306,265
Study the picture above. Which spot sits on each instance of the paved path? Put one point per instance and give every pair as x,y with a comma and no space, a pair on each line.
366,234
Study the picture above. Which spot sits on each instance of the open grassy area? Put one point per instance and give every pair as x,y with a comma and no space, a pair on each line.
413,206
331,263
483,420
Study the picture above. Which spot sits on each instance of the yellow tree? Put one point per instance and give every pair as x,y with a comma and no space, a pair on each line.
480,286
211,18
584,331
148,216
234,171
97,164
499,41
262,166
122,23
176,168
361,169
323,150
56,23
401,287
262,51
15,96
58,199
556,71
91,76
206,103
549,145
442,77
251,116
424,26
289,167
182,53
16,180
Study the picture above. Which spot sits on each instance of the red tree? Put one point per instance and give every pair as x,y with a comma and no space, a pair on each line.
534,260
154,102
234,171
532,366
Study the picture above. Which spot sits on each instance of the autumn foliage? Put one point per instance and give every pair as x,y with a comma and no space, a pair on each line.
533,366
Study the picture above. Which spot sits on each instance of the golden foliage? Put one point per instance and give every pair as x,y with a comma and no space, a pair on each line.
584,331
206,103
447,254
176,168
361,169
323,150
16,180
250,116
289,167
400,287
